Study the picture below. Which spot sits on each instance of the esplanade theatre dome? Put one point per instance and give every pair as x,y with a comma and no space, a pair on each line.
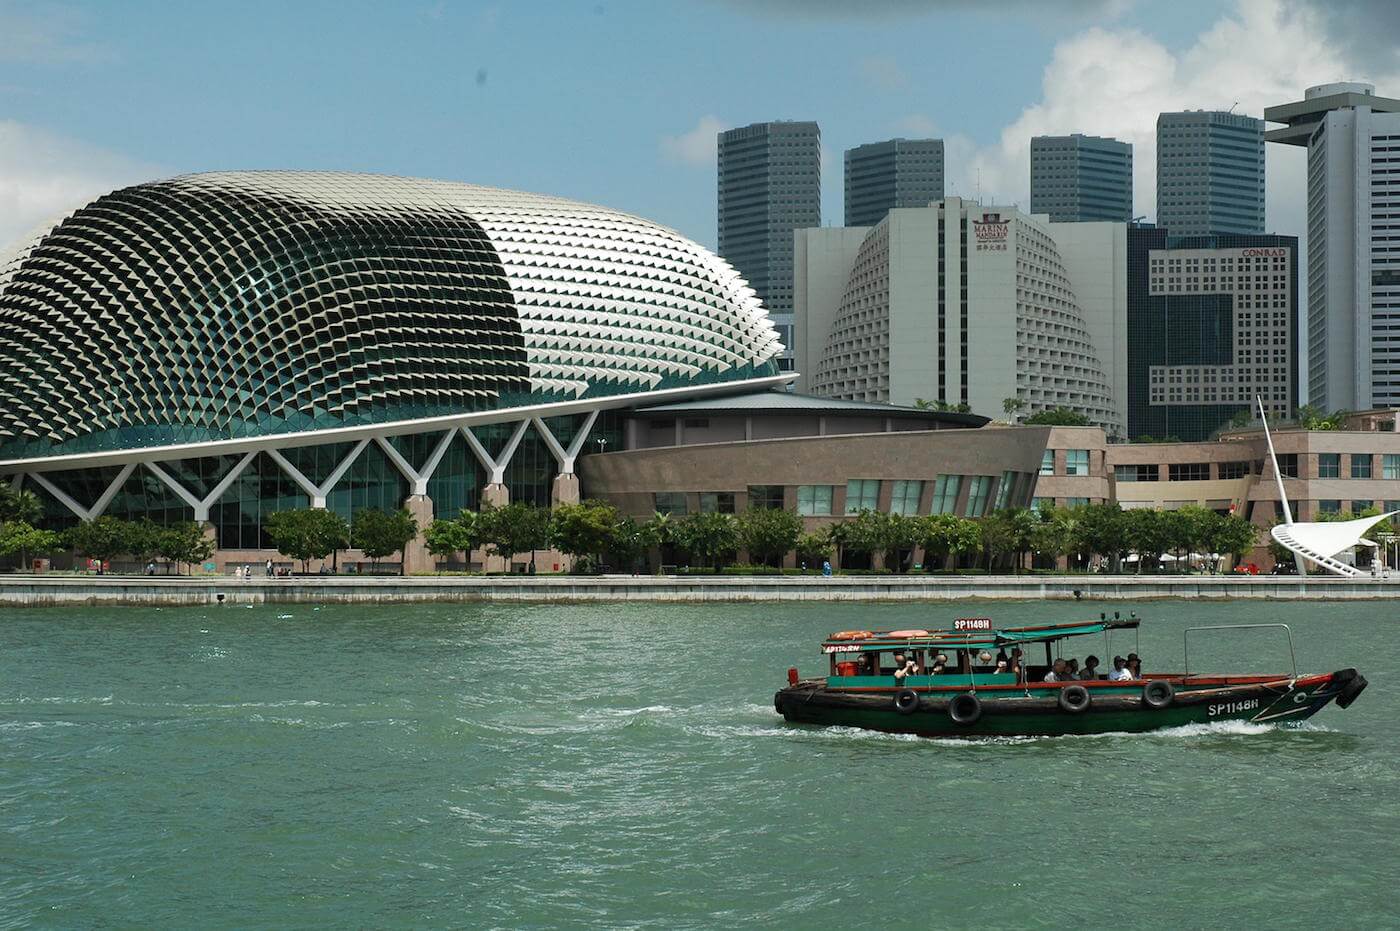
234,305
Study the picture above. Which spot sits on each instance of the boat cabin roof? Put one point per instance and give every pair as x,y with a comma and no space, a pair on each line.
968,633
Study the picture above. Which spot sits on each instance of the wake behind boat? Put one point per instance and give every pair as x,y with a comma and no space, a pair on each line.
950,683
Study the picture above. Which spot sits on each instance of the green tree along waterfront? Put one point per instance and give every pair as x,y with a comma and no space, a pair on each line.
1098,536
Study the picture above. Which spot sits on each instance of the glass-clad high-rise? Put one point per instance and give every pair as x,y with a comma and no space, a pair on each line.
1078,178
769,185
1210,173
881,176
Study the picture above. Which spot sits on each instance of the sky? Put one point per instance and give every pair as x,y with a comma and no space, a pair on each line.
617,102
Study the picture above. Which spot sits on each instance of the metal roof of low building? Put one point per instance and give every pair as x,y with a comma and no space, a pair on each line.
789,402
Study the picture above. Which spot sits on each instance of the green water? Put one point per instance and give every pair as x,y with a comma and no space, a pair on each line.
621,766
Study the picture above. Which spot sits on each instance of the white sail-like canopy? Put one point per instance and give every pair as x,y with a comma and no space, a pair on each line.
1319,541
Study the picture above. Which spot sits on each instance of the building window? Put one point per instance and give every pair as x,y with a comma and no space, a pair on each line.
977,495
1329,465
1075,502
716,502
670,502
904,496
814,500
1076,462
862,494
1360,465
766,497
1360,505
1288,465
1004,488
1135,473
1038,503
1188,472
1234,469
1329,506
945,493
1390,466
1047,462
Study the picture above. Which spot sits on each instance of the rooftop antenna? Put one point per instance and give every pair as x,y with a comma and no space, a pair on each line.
1233,106
979,185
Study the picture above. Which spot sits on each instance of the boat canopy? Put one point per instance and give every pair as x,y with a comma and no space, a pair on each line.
873,640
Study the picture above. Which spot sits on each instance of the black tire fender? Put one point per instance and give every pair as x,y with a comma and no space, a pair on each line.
906,701
1074,699
1158,694
965,709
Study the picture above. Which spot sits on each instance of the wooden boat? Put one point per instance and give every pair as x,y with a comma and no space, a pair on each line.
976,680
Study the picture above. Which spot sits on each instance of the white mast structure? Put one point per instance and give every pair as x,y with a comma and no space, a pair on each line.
1318,542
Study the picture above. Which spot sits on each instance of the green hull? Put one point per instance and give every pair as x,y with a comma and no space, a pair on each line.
1039,714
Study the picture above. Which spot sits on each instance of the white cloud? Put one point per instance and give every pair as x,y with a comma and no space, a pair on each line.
882,72
43,175
1114,82
698,145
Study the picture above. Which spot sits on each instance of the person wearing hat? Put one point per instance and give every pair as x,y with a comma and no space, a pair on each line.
1091,668
1134,663
1120,671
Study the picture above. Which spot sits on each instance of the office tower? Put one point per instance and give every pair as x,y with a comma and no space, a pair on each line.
1212,324
1210,173
1353,142
1080,178
769,185
897,173
934,303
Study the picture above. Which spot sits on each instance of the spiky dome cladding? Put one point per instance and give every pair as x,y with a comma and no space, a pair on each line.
225,305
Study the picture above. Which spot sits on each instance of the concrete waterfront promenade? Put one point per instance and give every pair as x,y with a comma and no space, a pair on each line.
53,590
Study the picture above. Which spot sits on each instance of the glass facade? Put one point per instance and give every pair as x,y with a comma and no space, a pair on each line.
457,482
1005,487
862,494
814,500
716,502
945,494
670,502
1208,336
260,489
766,497
904,496
978,494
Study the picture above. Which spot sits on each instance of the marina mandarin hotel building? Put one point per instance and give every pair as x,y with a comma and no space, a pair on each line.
217,347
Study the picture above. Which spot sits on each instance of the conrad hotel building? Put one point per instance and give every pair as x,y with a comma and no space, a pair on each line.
218,347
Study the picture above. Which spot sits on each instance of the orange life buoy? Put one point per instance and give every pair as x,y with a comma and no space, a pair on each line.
852,635
907,633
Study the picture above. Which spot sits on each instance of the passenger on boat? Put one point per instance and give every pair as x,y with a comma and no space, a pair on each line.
939,662
1072,667
1017,666
1059,672
867,664
1120,671
904,667
1091,669
1134,663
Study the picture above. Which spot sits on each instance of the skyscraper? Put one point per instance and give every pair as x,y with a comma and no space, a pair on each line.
769,185
1210,173
897,173
1212,324
1079,178
1353,142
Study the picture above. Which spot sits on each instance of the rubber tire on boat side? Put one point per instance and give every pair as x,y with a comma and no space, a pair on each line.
1158,694
1074,699
906,701
965,709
